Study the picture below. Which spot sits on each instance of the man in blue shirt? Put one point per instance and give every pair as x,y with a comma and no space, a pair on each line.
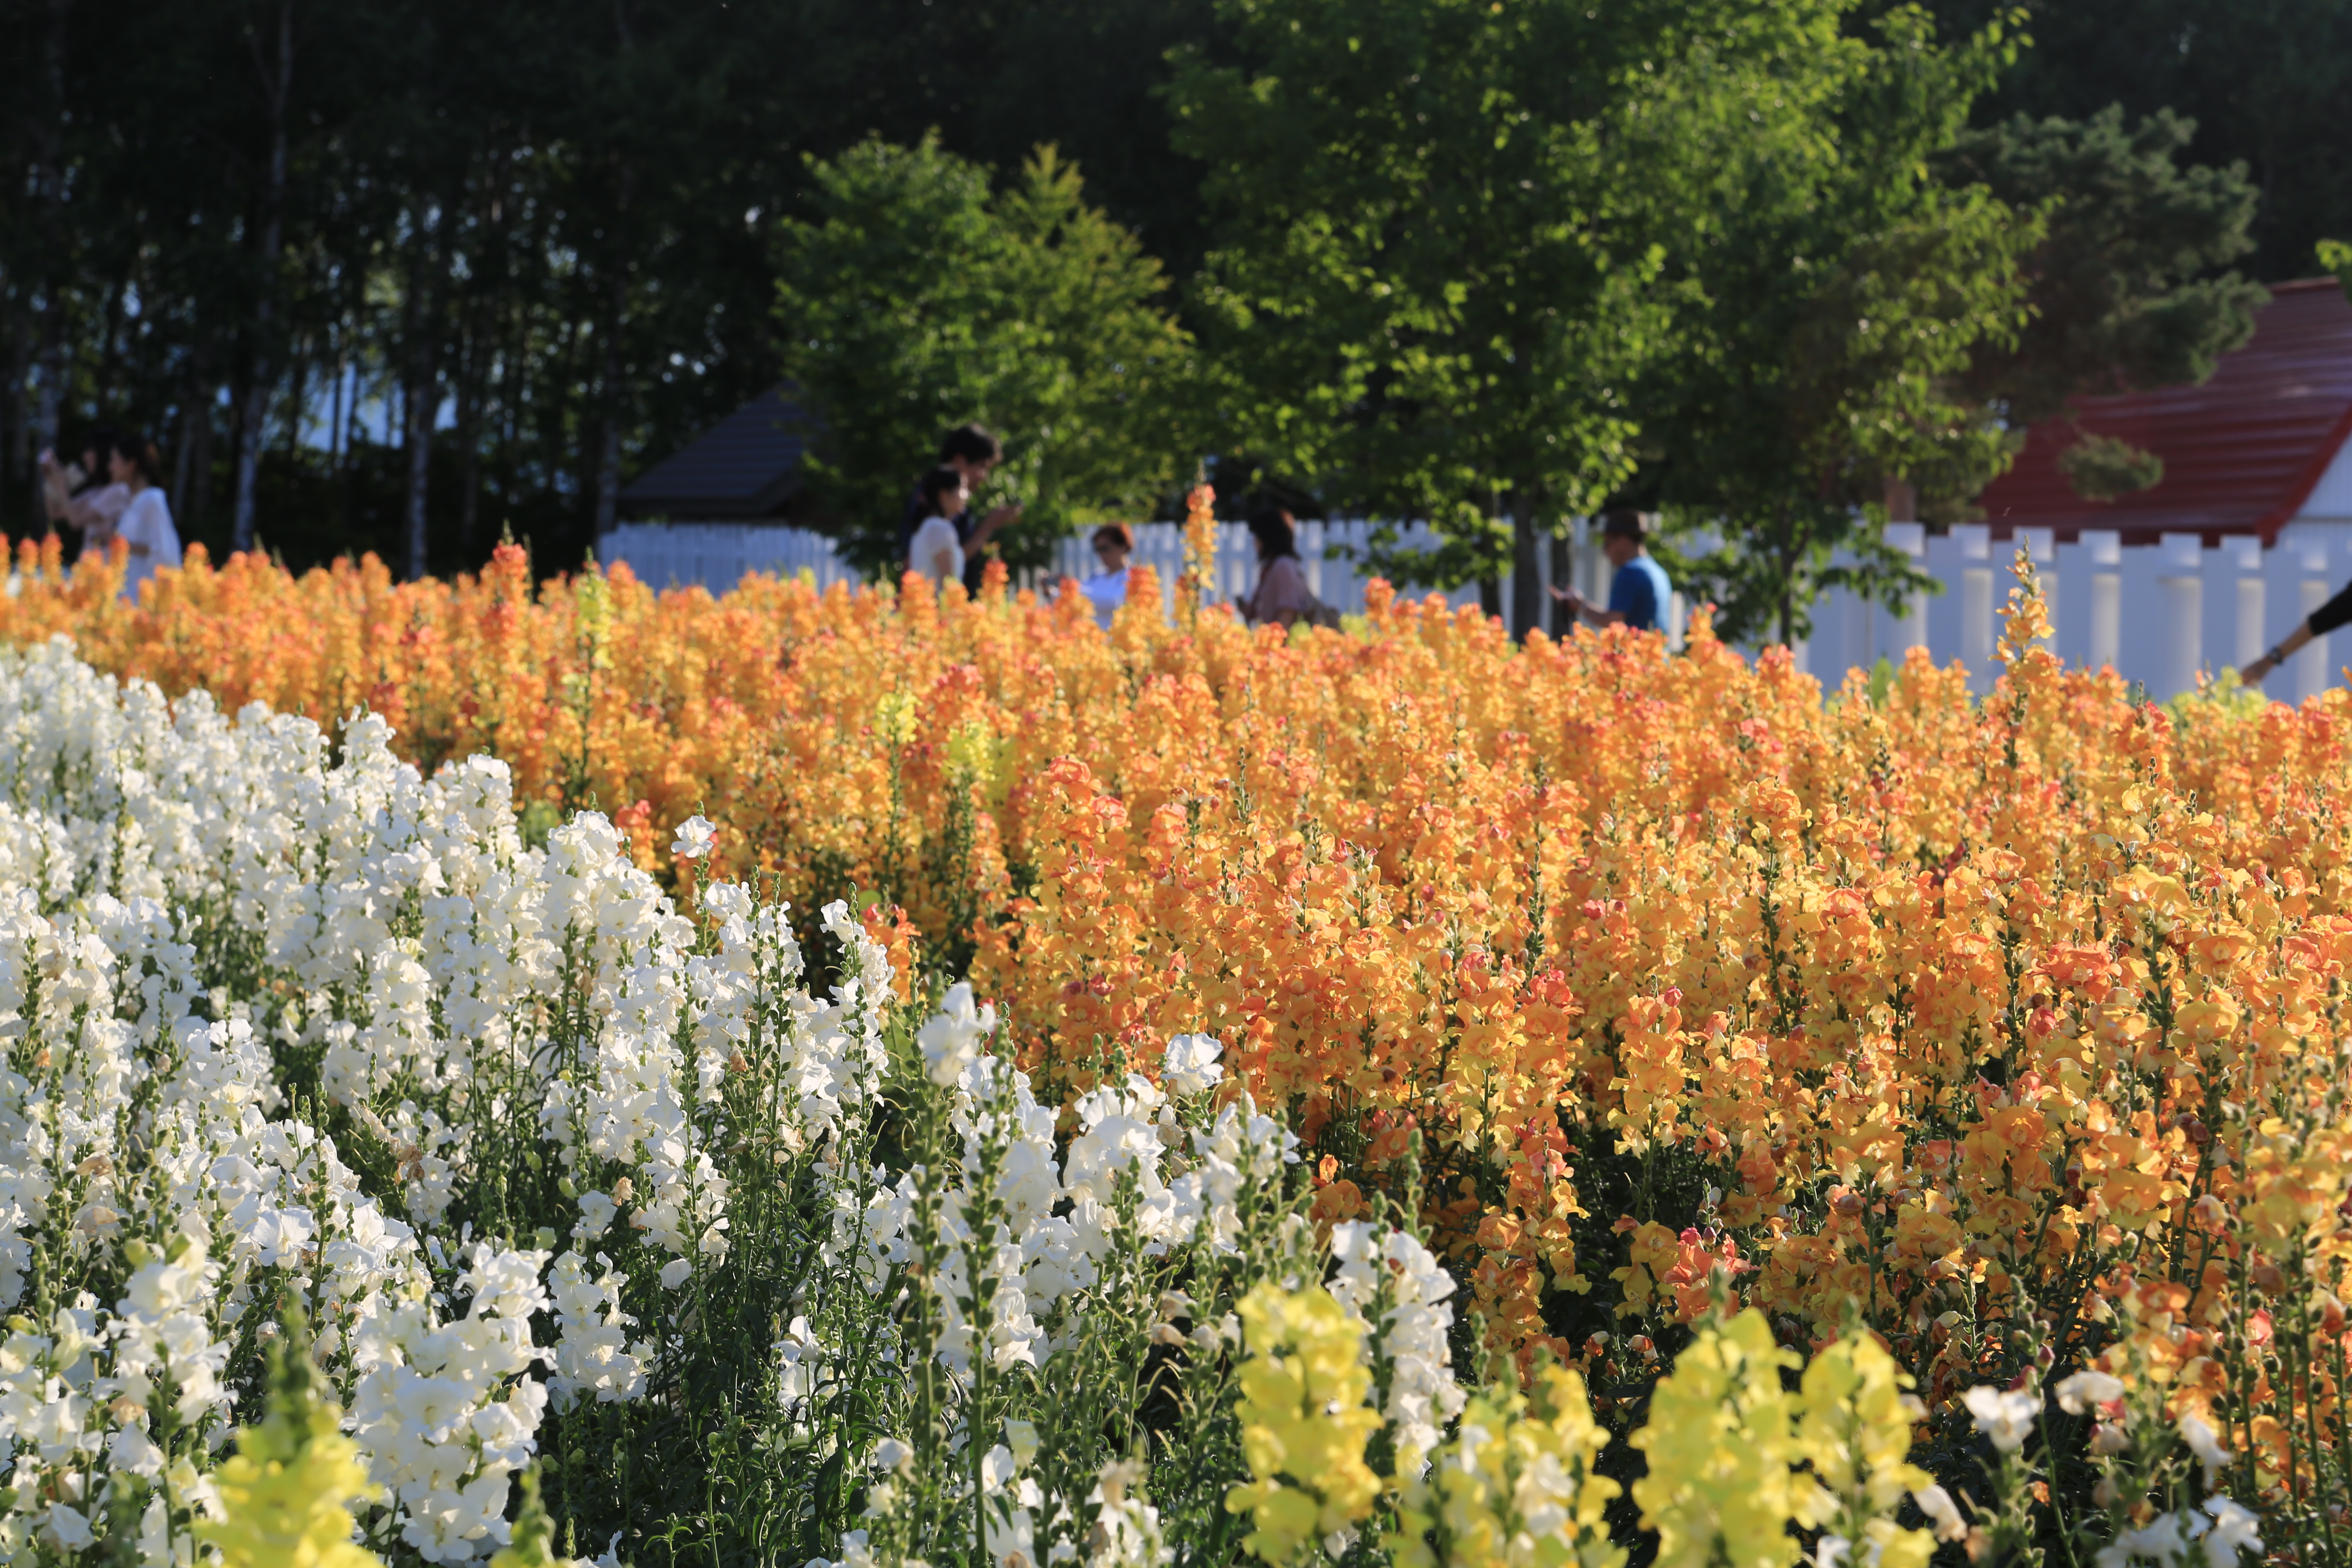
1639,594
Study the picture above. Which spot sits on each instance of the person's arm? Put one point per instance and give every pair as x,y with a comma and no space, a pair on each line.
97,513
2335,613
988,527
1586,610
56,499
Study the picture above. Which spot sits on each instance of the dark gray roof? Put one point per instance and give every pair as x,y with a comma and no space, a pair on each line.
747,465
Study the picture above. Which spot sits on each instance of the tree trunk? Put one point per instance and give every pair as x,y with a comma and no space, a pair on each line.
20,454
470,455
48,206
419,404
1563,576
420,394
335,431
252,427
298,374
1526,570
200,456
419,437
608,457
1490,596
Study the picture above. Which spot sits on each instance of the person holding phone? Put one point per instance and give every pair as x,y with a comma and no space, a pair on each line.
972,453
82,496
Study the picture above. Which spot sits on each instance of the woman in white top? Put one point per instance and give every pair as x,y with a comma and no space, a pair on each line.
937,551
146,523
1113,542
80,495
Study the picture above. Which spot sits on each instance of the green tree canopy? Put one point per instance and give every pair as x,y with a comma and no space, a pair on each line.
1443,231
2127,289
1826,321
2264,82
914,298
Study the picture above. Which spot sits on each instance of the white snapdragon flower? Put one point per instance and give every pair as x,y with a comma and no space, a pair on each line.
1397,1286
1942,1512
950,1040
2003,1415
2086,1389
2223,1530
695,838
2235,1529
1190,1065
2206,1445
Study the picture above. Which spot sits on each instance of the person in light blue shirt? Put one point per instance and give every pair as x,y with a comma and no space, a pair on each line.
1639,594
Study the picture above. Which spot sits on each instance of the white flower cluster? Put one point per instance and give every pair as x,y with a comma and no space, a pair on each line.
2220,1530
219,936
1397,1286
1060,1245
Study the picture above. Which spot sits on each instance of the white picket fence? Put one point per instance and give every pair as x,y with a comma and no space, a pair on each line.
2159,615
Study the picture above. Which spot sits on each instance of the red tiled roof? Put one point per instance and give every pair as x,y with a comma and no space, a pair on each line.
2241,452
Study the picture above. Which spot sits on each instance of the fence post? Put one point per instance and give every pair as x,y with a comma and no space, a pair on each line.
1910,626
1975,542
2105,548
2181,590
2312,670
2246,554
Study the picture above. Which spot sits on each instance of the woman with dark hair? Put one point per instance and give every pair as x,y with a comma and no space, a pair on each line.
1282,597
146,523
935,550
1113,542
81,496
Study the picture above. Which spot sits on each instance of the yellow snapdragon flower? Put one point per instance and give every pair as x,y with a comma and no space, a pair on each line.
1722,1447
1304,1422
285,1494
532,1542
1855,1428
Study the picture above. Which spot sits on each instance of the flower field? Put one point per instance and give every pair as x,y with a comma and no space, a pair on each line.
1186,1094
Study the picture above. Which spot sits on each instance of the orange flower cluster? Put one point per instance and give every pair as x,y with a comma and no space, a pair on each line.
1667,979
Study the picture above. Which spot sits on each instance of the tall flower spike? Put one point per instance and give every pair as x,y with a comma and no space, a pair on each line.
285,1495
1304,1422
1515,1486
1721,1446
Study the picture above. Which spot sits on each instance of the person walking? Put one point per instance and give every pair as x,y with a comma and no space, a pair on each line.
972,453
1282,597
145,524
1113,542
936,551
1639,593
2329,618
81,496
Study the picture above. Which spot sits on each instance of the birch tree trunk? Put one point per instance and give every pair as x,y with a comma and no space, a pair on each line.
252,428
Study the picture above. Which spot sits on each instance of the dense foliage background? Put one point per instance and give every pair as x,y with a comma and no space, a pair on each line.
539,242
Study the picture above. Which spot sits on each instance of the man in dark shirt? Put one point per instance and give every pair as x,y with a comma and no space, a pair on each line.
973,452
2335,613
